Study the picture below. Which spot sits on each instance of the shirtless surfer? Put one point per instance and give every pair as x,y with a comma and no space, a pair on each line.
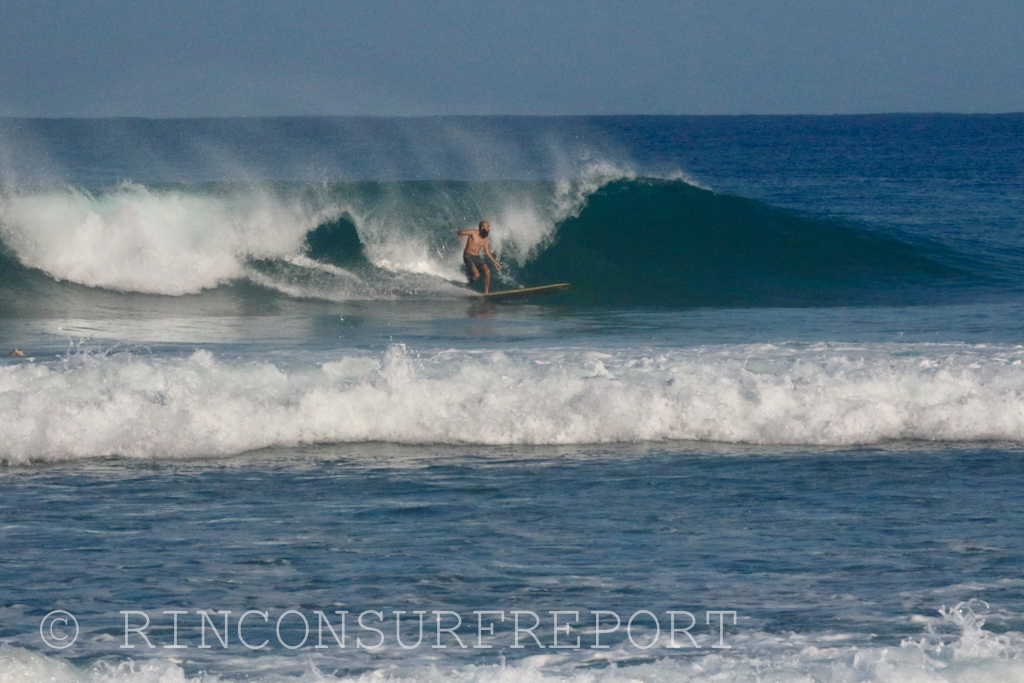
472,258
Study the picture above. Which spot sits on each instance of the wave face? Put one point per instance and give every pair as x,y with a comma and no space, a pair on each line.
824,394
618,240
668,242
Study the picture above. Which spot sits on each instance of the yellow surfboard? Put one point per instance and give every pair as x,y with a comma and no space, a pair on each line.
523,293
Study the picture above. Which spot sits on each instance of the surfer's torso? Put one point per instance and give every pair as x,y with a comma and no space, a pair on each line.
475,243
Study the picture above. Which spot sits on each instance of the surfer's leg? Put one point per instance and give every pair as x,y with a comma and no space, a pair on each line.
471,270
487,279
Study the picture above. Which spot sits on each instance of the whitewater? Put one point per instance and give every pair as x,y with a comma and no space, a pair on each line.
784,395
121,404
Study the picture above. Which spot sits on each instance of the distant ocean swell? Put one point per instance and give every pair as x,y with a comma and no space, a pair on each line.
619,240
825,394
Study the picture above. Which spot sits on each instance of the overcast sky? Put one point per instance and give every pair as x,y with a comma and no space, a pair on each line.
425,57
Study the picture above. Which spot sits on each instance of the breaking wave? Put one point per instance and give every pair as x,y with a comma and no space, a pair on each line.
138,406
619,240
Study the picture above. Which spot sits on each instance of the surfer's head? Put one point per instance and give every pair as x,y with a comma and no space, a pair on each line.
484,228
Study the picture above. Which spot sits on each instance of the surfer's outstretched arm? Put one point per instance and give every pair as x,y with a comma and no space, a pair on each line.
487,250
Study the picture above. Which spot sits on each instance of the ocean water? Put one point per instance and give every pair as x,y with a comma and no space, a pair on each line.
261,431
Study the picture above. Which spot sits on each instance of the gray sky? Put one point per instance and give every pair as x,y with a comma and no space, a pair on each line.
422,57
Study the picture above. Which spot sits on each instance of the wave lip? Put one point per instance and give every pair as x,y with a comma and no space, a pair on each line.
824,394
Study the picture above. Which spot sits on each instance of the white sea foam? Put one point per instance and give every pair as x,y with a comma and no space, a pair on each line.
145,407
973,654
24,666
136,239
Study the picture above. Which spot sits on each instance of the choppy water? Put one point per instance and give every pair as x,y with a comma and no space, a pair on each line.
787,383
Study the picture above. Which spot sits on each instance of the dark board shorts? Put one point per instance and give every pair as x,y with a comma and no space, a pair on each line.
471,261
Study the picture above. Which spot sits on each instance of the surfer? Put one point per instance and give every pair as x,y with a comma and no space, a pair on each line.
471,255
